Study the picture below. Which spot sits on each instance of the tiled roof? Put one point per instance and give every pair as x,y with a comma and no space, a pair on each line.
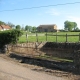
47,25
4,27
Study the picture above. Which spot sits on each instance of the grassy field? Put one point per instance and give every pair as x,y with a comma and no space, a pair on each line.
50,37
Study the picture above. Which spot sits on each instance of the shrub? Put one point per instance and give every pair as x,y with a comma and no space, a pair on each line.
9,36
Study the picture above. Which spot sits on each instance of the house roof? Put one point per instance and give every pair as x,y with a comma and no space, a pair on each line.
47,25
4,27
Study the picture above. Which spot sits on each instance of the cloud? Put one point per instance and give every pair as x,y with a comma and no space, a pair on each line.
74,19
53,12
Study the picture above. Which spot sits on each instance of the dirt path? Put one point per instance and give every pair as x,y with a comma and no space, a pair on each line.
12,71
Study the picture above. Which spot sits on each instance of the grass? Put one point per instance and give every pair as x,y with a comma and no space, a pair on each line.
50,38
54,58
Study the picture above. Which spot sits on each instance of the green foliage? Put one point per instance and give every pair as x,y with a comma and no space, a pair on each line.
34,29
75,25
9,36
69,26
28,28
11,24
18,27
2,23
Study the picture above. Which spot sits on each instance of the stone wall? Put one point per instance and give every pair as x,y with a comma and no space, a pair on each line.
61,50
32,49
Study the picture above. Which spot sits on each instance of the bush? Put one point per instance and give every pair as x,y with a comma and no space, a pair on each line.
9,36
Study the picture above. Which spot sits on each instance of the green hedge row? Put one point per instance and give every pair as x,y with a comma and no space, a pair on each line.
9,36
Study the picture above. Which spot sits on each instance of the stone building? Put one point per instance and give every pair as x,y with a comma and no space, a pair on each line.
47,28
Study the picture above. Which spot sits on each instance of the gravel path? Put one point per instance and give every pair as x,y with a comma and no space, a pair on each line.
12,71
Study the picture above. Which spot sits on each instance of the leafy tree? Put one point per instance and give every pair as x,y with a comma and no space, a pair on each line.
34,29
2,23
77,28
75,25
11,24
68,25
18,27
28,28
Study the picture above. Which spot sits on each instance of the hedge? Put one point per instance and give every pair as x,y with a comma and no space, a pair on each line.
9,36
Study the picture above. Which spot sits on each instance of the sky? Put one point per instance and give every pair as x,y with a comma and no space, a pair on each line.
43,15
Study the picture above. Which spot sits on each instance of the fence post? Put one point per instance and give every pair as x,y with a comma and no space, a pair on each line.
66,37
79,37
56,37
36,36
46,36
27,37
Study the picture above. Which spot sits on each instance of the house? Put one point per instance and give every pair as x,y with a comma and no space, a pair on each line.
47,28
4,27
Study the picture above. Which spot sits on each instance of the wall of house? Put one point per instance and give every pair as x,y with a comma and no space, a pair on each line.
47,28
4,27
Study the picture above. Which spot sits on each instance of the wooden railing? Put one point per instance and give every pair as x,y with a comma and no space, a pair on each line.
67,35
56,35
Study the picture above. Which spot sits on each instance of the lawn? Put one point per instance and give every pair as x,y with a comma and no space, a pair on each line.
50,37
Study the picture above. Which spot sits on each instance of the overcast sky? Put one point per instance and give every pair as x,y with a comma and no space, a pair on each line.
37,16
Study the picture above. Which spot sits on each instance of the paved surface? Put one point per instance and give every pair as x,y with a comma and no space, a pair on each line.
12,71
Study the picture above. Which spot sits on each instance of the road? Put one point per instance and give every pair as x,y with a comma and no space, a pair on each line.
12,71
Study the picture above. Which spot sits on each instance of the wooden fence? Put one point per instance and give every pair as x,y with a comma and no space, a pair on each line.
56,35
66,36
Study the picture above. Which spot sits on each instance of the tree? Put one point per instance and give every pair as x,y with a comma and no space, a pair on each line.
34,29
2,23
18,27
28,28
11,24
77,29
69,26
75,26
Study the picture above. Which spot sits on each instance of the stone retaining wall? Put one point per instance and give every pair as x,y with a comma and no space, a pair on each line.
61,50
